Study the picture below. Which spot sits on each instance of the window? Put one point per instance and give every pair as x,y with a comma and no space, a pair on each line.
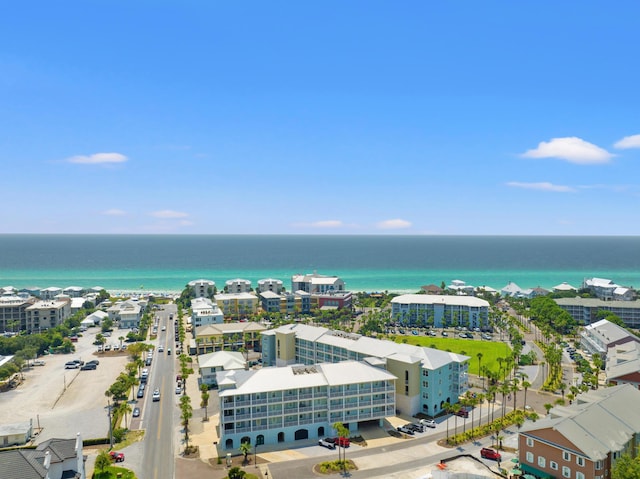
580,461
529,442
529,457
553,465
579,475
566,456
542,462
566,472
598,465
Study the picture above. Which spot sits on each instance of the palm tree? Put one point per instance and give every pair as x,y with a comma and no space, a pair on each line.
204,399
504,390
124,408
514,390
103,460
456,409
479,356
447,408
342,433
562,387
245,449
548,407
525,385
479,401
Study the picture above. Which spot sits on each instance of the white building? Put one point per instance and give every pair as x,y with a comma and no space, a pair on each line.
204,312
278,405
512,289
237,286
460,287
126,314
270,284
73,291
45,314
50,292
316,283
599,337
202,288
212,363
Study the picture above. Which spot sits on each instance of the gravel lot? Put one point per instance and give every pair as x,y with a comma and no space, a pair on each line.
63,402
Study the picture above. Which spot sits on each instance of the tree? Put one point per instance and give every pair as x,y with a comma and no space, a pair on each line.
124,409
186,414
236,473
342,432
245,449
103,460
479,356
525,385
548,407
204,389
626,467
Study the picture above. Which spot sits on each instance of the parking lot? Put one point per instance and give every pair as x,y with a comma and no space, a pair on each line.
62,402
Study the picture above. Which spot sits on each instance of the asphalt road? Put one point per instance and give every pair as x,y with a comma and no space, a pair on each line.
158,457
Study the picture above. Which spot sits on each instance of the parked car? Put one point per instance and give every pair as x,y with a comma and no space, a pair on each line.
38,362
444,333
327,442
71,365
136,412
339,441
415,427
428,422
117,456
93,361
405,430
168,351
140,394
178,389
463,412
89,367
487,453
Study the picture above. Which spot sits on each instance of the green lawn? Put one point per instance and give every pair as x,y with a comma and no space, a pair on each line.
491,350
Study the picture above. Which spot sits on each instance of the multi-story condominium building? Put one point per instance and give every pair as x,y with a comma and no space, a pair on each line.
585,310
277,405
623,364
316,283
607,290
45,314
427,378
440,310
599,337
227,336
202,288
13,313
584,440
237,286
50,292
332,300
270,284
73,291
204,311
211,364
237,304
285,302
127,314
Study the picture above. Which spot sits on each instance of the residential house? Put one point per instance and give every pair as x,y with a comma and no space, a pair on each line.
127,314
429,377
432,289
511,289
53,459
460,287
50,292
286,302
602,288
73,291
585,439
279,405
440,310
212,363
564,287
15,434
330,300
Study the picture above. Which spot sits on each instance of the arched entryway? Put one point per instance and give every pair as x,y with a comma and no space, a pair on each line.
228,444
321,431
281,437
301,434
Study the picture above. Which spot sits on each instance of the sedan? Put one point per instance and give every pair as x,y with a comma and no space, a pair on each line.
117,456
136,412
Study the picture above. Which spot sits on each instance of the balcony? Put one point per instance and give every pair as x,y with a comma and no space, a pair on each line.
243,429
260,401
243,403
291,422
260,414
243,416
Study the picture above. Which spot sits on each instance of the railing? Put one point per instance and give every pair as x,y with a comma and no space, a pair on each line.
260,414
259,401
243,403
291,422
242,416
305,395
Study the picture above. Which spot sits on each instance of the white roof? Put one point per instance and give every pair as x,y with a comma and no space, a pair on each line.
565,287
608,331
511,288
600,282
296,377
269,295
228,360
440,299
226,296
201,281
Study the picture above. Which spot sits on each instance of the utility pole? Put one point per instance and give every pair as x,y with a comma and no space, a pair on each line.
110,424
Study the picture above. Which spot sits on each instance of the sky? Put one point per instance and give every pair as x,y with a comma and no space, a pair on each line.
333,117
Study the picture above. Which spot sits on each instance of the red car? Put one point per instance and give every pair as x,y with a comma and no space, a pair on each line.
487,453
117,456
462,413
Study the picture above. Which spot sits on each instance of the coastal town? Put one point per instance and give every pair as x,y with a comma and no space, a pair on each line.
308,378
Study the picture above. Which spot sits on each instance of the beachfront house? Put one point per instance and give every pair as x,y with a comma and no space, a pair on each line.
237,286
202,288
204,312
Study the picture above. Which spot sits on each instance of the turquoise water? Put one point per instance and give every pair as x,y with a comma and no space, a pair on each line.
366,263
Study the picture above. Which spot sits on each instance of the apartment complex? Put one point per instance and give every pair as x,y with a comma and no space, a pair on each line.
226,336
202,288
204,312
623,364
45,314
237,286
599,337
13,312
277,405
584,440
270,284
585,310
126,314
440,310
237,304
316,283
211,364
427,378
285,302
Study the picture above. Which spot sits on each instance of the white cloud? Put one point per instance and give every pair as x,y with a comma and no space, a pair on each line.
169,214
394,224
632,141
114,212
98,159
327,224
571,149
542,186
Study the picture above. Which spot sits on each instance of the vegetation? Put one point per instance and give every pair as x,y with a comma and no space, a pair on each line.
114,472
331,467
626,467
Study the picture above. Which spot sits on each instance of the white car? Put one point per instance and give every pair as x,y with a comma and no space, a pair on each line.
164,328
428,422
160,348
156,395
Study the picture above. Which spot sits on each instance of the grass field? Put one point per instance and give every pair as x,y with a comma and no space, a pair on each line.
491,350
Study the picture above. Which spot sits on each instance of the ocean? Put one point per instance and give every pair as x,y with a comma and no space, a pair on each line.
165,263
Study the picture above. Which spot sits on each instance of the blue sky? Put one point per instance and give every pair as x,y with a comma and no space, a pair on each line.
333,117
